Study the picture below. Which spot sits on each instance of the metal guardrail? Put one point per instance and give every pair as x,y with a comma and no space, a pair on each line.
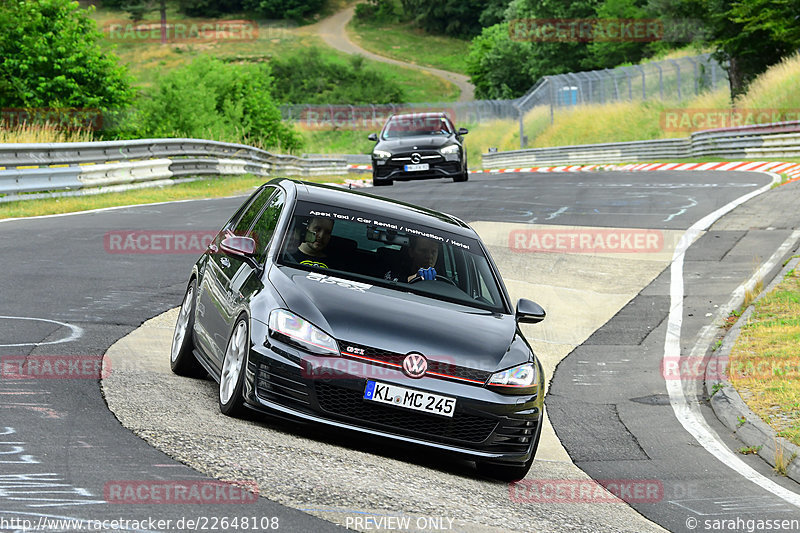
781,139
36,167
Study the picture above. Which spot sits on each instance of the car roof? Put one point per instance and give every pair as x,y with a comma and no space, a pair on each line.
360,201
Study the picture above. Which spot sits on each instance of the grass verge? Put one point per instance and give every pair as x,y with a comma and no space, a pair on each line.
765,361
204,188
406,43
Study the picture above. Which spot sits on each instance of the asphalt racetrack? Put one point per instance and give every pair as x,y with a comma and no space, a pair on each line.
593,248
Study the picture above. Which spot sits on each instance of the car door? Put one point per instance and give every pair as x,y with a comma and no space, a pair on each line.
216,300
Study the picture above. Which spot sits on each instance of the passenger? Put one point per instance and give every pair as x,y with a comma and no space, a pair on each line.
418,261
314,238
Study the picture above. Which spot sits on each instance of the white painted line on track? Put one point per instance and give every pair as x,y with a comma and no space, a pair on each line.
77,331
688,413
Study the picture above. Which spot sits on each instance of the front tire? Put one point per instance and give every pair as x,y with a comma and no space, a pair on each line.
182,359
231,379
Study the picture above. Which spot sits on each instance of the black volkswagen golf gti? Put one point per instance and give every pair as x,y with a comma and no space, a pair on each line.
345,309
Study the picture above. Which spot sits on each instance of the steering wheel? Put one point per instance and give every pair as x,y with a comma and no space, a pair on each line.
437,278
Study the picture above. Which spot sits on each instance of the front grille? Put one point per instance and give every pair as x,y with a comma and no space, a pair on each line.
350,404
281,384
441,367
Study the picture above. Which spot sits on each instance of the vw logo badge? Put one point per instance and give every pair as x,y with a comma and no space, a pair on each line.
415,365
415,158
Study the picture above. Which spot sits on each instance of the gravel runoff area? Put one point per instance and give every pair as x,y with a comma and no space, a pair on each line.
335,475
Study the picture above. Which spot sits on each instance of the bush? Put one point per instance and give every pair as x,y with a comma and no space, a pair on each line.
309,78
212,100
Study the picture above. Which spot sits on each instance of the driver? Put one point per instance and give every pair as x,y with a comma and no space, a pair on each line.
314,239
421,255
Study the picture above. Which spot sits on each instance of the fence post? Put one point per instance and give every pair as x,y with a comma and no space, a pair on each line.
644,82
696,82
660,81
678,75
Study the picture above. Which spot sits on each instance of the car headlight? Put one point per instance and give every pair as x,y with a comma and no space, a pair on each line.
452,149
521,379
381,154
288,327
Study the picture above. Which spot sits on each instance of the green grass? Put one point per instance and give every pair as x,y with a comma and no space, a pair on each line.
765,363
205,188
406,43
147,60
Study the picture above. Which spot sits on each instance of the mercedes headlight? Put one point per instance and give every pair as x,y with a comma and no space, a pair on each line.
381,154
290,328
449,150
521,379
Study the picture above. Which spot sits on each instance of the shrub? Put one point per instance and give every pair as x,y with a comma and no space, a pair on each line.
213,100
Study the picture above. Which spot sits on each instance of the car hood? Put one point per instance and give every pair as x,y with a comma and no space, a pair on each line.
422,143
400,322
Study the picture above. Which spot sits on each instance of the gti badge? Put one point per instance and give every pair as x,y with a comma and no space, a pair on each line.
415,365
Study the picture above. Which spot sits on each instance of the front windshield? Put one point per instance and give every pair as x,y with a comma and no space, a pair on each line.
376,250
416,125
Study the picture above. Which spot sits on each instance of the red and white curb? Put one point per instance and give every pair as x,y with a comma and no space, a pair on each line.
790,169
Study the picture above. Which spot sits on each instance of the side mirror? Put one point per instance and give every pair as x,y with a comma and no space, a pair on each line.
373,137
529,312
463,131
241,246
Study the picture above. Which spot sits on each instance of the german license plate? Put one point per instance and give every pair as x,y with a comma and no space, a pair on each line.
409,398
415,168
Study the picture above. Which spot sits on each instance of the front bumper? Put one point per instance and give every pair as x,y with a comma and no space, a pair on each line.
395,170
486,425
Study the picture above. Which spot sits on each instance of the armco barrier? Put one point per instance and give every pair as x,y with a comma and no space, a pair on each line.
774,140
37,167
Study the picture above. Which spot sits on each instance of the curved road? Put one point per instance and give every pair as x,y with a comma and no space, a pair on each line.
333,31
63,452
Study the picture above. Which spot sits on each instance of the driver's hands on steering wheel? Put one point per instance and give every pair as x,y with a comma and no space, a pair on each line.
427,273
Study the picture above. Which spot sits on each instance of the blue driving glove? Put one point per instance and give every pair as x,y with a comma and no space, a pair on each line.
427,273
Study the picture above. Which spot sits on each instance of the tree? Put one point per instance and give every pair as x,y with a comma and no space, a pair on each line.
498,65
457,18
748,37
50,57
